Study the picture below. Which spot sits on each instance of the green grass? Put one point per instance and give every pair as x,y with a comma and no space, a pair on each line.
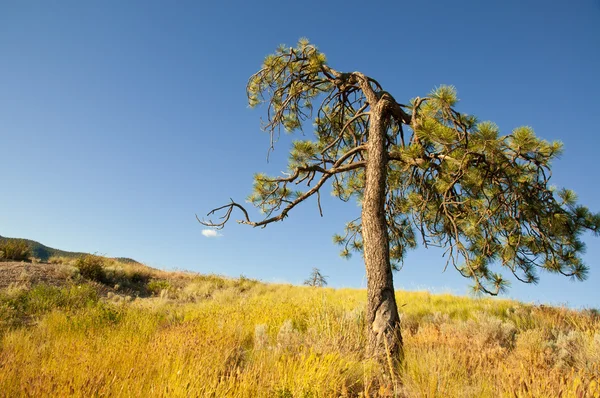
213,336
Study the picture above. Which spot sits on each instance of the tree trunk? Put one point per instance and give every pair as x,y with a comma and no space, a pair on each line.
383,322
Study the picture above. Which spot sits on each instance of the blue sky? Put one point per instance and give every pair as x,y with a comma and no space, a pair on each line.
121,120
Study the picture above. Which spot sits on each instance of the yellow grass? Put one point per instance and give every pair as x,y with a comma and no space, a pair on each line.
210,336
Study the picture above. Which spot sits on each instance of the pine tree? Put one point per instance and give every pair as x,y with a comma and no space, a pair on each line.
316,279
423,172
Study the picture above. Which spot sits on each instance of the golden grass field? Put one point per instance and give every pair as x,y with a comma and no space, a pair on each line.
210,336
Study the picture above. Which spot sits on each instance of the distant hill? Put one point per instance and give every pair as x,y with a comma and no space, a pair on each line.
44,252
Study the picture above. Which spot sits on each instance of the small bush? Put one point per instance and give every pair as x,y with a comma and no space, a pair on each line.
126,276
410,323
483,331
205,286
261,336
65,271
137,276
494,330
16,250
288,336
214,280
156,286
244,284
91,267
567,348
61,260
534,346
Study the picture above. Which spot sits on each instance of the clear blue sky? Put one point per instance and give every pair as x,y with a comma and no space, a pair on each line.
120,119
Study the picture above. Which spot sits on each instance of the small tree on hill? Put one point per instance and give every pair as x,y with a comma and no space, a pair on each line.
316,279
422,171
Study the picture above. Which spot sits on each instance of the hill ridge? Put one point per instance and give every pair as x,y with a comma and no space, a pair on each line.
43,252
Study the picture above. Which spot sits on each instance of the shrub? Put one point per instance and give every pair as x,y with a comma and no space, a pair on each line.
261,336
16,250
138,276
567,348
156,286
61,260
535,346
493,330
65,271
91,267
410,323
126,276
244,284
216,281
483,331
205,286
288,336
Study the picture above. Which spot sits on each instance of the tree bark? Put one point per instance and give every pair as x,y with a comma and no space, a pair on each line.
383,322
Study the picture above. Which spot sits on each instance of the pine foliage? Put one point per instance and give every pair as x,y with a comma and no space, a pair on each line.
452,180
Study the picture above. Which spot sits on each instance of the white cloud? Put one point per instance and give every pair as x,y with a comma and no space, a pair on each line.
211,233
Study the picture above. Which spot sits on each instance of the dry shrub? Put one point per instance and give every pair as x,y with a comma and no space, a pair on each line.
197,291
15,289
261,336
288,337
438,319
15,250
218,288
533,346
159,287
91,267
130,276
67,271
567,349
482,331
493,330
59,260
118,299
409,323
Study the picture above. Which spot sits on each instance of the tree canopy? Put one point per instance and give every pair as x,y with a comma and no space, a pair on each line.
451,180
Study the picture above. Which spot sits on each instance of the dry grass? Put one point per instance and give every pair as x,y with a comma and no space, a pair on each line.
211,336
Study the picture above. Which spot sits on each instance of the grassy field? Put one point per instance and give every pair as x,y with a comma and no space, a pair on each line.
209,336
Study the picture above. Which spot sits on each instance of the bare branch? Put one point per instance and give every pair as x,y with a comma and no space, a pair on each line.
326,174
225,217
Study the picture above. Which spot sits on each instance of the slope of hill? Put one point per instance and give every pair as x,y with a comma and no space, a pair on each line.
205,335
43,253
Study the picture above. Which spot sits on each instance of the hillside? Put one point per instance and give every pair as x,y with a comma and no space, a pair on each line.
43,253
183,334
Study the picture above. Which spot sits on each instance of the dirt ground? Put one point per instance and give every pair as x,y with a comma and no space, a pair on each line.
31,274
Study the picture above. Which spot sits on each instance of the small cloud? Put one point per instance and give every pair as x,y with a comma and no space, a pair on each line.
211,233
